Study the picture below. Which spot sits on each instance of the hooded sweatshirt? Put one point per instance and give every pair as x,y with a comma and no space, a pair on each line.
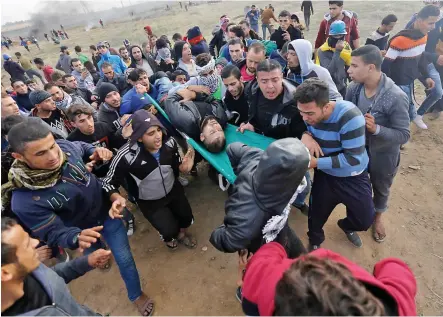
257,193
109,115
351,27
14,70
132,101
117,64
308,69
64,63
392,281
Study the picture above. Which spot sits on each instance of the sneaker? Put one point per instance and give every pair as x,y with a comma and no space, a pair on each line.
130,227
434,115
419,122
313,247
62,255
238,294
183,180
353,236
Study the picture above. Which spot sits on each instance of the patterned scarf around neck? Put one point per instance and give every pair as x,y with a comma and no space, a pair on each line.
65,103
22,176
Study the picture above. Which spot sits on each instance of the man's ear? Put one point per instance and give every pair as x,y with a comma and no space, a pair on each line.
7,273
17,156
202,137
73,124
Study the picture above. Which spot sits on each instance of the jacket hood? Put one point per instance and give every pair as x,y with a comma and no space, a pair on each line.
279,172
346,13
303,48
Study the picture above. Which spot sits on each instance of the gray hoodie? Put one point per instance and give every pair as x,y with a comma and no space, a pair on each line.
303,48
64,63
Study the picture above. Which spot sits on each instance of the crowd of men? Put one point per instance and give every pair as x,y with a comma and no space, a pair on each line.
341,110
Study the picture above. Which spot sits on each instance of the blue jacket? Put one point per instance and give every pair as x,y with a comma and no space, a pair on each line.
57,214
132,101
199,48
117,64
53,281
23,102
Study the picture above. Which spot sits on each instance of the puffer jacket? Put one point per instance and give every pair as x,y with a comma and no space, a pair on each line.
266,182
187,116
117,64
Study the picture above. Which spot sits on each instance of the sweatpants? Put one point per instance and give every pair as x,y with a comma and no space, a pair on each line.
168,214
328,191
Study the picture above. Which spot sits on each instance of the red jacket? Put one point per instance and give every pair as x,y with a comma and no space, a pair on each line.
267,266
351,28
48,71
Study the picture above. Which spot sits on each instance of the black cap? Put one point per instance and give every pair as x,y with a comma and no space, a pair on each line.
63,48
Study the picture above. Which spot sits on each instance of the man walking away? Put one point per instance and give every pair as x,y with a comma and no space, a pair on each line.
266,17
308,9
64,61
13,69
252,16
46,69
380,36
340,175
385,107
82,57
286,32
27,66
406,59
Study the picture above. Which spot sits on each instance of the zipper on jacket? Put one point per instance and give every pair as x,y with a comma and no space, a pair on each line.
163,180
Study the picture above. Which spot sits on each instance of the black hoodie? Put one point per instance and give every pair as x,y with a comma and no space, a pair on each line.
266,181
277,36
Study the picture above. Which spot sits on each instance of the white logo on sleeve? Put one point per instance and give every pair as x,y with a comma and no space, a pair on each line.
148,120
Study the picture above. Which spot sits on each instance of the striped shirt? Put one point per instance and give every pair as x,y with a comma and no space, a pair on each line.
342,140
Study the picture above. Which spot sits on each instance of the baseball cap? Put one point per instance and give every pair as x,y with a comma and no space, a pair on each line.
141,121
63,47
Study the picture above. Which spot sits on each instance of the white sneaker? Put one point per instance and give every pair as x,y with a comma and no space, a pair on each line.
183,180
419,122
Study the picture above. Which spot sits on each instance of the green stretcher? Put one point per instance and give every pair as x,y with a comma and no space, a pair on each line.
220,161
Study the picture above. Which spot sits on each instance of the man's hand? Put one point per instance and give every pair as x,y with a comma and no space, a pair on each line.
94,98
101,154
430,84
440,60
370,123
94,105
313,162
188,160
124,118
169,61
127,131
44,253
90,166
286,36
118,204
246,126
84,74
340,45
140,89
152,109
312,145
186,94
99,258
200,89
88,236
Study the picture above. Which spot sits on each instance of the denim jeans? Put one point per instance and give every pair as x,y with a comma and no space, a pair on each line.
114,233
254,27
264,27
300,200
435,94
408,89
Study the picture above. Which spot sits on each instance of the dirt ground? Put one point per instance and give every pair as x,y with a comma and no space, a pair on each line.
199,282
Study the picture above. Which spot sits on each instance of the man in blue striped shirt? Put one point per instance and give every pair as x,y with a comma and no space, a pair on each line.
340,174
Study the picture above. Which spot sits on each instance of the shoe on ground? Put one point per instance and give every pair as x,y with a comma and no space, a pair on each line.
130,227
238,294
434,115
313,247
183,180
62,256
304,210
353,236
419,122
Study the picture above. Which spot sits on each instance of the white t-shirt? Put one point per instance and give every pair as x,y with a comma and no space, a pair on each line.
145,66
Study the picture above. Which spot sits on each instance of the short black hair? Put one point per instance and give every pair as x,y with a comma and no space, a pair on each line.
230,70
285,13
92,47
74,60
105,64
77,48
8,251
38,61
390,18
18,54
238,31
16,81
427,11
25,132
268,65
57,75
31,81
312,89
217,146
177,36
370,54
244,22
122,49
177,73
78,109
89,65
135,74
10,121
338,3
203,59
49,85
161,43
235,41
66,76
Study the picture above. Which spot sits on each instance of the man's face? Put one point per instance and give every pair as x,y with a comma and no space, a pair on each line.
137,54
47,105
56,93
124,53
43,154
253,9
9,107
236,52
39,66
71,82
234,86
334,10
311,113
143,80
245,28
284,22
426,25
25,253
85,123
390,26
78,66
212,132
358,70
152,40
181,79
231,35
292,59
253,59
108,72
186,52
33,86
102,49
113,99
20,87
152,139
270,83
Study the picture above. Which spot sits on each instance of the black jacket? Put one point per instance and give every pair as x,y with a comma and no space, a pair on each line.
118,81
277,36
284,121
187,117
150,60
217,42
14,70
266,182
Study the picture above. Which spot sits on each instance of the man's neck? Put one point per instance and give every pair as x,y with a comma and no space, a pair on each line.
339,17
332,103
371,84
43,113
381,30
417,28
11,294
139,62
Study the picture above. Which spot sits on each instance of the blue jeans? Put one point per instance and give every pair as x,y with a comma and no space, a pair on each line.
114,233
408,89
254,27
435,94
300,200
264,27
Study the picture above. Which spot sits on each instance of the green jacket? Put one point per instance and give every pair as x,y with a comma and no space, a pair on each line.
82,57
